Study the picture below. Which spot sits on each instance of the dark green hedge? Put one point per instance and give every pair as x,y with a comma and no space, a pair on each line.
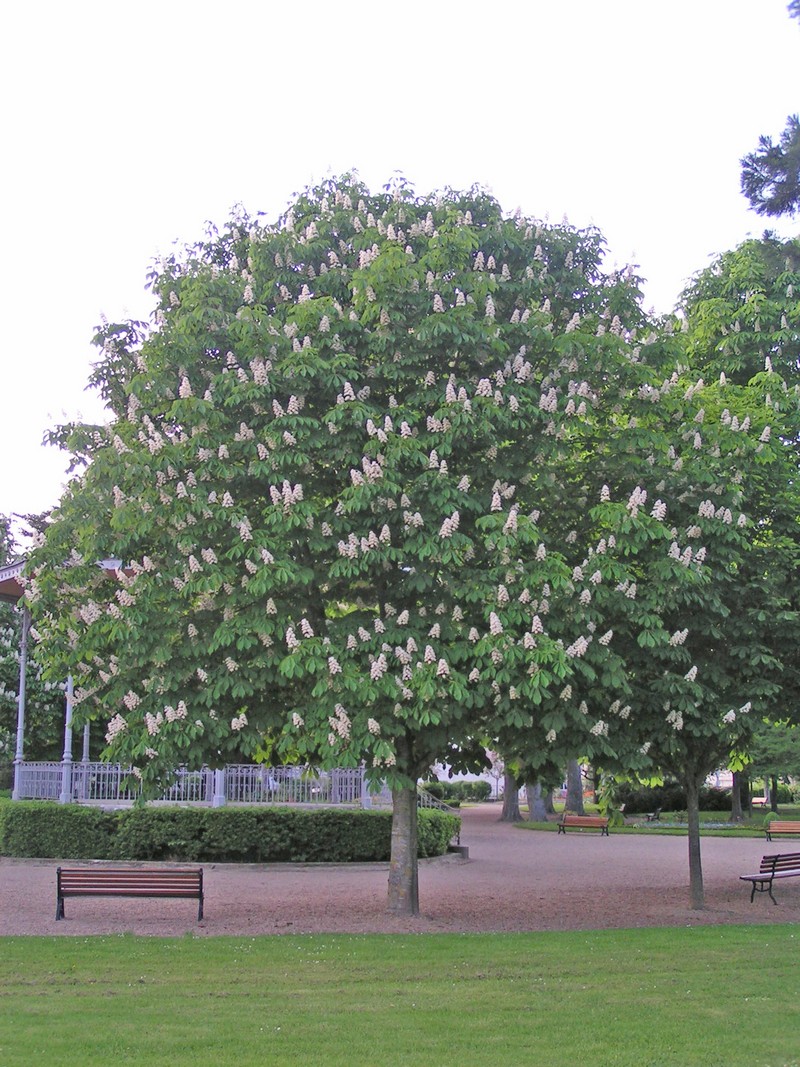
669,797
43,828
450,791
229,835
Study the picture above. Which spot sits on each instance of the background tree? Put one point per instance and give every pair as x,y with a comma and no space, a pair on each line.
739,634
771,174
540,800
510,812
743,312
574,801
774,752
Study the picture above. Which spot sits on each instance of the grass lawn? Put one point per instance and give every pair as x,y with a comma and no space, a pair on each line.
708,996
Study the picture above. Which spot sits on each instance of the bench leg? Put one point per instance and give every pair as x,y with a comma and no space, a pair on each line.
763,886
200,909
59,908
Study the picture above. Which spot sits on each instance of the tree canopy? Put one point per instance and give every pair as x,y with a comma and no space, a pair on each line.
771,174
389,477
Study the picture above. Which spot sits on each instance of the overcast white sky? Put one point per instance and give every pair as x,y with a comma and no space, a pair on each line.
126,125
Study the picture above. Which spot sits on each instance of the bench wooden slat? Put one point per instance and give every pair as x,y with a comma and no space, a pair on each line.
128,882
592,822
782,865
776,827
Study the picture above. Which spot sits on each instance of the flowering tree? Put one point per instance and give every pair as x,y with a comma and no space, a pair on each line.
743,325
745,309
688,665
357,477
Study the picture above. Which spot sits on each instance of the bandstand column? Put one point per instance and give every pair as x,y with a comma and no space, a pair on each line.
66,759
219,799
23,673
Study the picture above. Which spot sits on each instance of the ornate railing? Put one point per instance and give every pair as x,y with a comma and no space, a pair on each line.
428,800
111,783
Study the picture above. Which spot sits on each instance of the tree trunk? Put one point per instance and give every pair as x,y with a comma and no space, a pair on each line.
403,866
574,801
737,814
537,807
696,896
591,782
510,812
773,794
745,792
549,806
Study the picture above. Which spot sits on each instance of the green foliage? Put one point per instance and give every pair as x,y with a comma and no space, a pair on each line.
775,750
743,313
41,828
435,831
671,796
393,474
459,791
231,835
161,834
771,174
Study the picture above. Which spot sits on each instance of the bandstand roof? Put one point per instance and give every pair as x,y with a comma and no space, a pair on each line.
10,586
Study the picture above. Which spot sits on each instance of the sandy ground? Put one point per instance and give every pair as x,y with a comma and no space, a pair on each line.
513,880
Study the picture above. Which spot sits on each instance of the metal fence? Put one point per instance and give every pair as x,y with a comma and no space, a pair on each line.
111,783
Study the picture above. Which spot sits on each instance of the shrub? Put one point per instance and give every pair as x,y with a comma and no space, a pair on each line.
669,797
160,834
639,799
41,828
247,835
435,831
475,791
436,788
450,791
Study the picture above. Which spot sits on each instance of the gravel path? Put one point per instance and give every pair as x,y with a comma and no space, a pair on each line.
513,880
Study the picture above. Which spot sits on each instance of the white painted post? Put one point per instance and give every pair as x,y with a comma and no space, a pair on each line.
84,770
366,796
66,759
16,792
219,800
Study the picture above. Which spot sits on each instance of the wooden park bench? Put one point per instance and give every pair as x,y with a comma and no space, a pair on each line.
128,882
786,865
654,816
589,822
775,827
759,802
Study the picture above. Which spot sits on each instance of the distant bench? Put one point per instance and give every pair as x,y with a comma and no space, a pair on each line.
776,827
128,882
786,865
759,802
590,822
